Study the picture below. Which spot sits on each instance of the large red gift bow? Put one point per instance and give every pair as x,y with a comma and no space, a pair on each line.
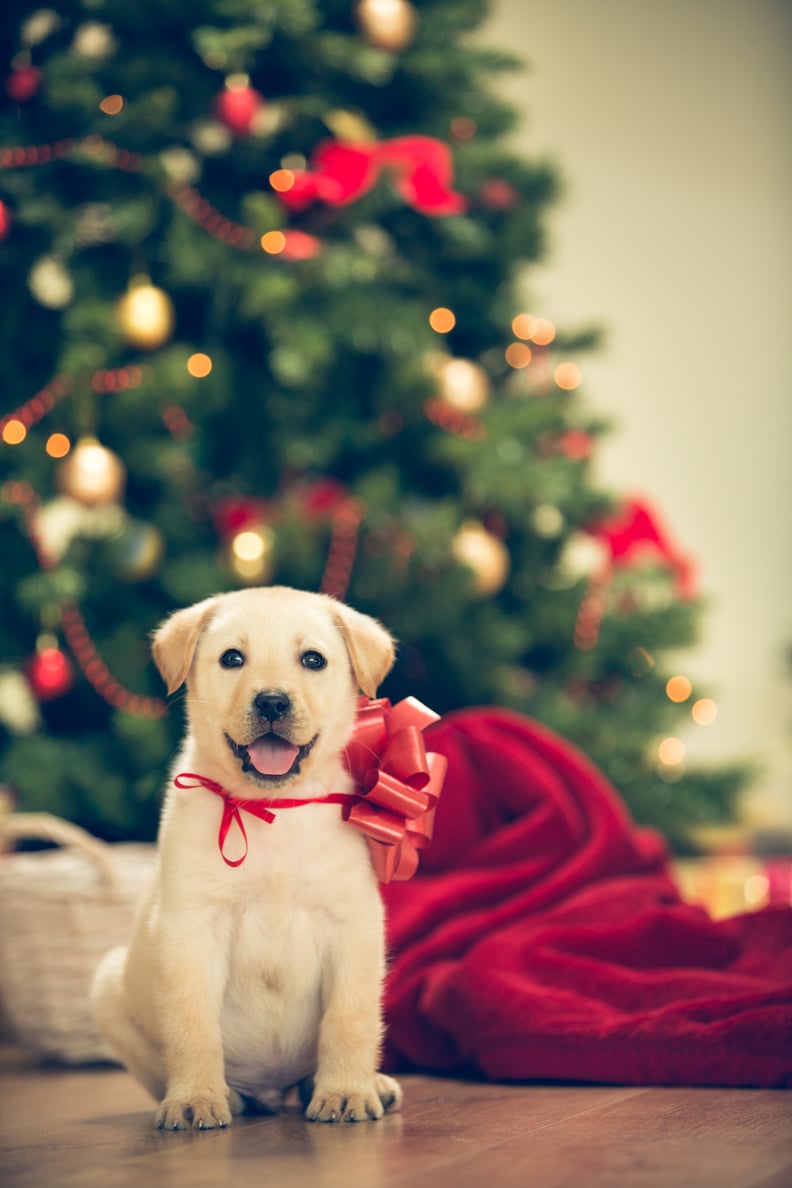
397,783
422,169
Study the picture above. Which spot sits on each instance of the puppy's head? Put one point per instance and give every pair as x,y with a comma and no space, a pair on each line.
272,678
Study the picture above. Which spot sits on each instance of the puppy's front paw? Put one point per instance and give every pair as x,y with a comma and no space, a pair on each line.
389,1092
196,1113
357,1104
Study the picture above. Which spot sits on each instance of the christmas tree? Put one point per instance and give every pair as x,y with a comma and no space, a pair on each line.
267,318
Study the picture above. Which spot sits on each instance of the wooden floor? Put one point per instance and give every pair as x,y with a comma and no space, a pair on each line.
91,1128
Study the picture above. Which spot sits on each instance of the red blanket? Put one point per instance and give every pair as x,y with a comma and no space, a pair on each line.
543,937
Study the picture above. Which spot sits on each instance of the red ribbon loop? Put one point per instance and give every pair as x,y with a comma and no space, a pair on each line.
397,782
232,814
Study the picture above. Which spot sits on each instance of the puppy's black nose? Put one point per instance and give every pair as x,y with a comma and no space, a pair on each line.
272,705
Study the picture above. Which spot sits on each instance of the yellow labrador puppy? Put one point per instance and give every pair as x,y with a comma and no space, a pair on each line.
257,960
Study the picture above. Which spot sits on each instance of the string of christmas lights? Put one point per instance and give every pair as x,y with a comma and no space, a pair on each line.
591,612
15,425
205,216
98,674
20,156
344,536
187,198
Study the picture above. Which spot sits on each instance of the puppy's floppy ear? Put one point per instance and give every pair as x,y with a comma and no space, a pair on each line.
371,648
174,641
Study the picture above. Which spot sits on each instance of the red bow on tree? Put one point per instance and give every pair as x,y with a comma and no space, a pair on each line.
421,167
397,783
634,532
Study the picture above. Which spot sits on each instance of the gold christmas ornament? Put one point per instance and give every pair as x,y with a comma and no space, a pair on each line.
137,550
463,384
58,522
483,553
50,283
92,474
583,556
387,24
210,137
180,164
38,26
93,223
94,40
350,125
19,709
145,314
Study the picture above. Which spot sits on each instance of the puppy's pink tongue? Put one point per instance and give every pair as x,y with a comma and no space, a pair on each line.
271,755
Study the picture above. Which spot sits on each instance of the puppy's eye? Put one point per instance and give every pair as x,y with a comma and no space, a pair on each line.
314,660
233,658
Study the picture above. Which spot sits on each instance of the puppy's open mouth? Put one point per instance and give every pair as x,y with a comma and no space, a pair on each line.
270,757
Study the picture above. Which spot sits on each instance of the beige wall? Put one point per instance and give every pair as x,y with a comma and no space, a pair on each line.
672,125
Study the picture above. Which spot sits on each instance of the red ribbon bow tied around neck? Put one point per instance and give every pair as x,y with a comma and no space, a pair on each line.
397,786
234,806
421,166
397,783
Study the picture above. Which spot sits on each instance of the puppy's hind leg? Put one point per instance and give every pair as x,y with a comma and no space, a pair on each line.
124,1037
119,1030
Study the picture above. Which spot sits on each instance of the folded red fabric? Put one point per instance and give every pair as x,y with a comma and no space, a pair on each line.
543,937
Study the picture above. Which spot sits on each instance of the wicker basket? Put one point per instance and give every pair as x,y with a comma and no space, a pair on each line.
61,911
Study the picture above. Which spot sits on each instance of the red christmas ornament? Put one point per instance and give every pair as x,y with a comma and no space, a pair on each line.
576,444
22,84
236,513
5,220
497,194
321,497
50,673
237,108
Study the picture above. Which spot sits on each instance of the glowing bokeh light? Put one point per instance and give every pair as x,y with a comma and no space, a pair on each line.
273,242
542,331
704,711
199,365
518,354
112,104
521,325
58,445
14,432
282,180
249,546
463,128
442,319
678,688
567,376
671,751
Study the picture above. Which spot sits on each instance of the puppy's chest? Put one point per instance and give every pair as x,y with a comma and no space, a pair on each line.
277,946
272,1003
